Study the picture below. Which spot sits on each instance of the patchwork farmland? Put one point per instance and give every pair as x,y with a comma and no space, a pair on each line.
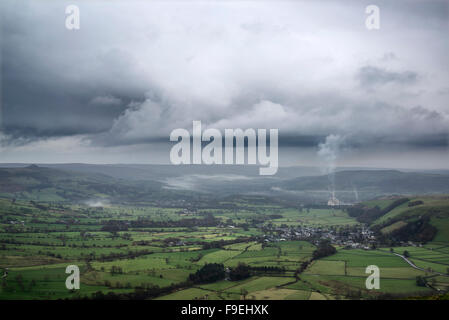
124,251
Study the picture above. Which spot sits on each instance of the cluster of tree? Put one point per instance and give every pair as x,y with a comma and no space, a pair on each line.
268,269
51,254
324,249
421,281
210,272
139,293
35,243
170,240
14,229
242,271
38,205
301,268
353,294
221,243
367,215
208,221
415,203
117,285
127,236
114,226
197,258
116,270
419,231
143,242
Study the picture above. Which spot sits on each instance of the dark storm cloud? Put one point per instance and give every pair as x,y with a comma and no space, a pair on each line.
53,85
40,99
137,70
301,141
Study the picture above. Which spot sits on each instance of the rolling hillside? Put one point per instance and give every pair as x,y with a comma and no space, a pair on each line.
418,218
48,184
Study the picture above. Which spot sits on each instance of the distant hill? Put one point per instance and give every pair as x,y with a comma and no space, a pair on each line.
371,183
48,184
134,182
163,171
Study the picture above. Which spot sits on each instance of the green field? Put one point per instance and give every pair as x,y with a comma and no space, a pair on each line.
148,248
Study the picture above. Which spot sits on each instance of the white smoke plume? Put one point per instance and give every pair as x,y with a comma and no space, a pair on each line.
356,193
329,152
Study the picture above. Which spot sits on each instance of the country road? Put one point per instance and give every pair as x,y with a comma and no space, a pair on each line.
418,268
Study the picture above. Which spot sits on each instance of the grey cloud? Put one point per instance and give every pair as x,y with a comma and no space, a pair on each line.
370,76
131,76
106,100
389,56
55,83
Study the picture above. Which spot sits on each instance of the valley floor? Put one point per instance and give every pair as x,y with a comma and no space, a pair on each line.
144,249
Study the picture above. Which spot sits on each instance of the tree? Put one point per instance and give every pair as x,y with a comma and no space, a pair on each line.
210,272
116,270
421,281
242,271
406,254
433,282
244,293
324,249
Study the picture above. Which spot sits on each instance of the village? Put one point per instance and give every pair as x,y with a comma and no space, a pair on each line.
354,237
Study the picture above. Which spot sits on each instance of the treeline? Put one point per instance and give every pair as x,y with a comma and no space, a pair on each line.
205,245
367,215
222,243
415,203
122,225
123,255
302,268
210,272
39,206
207,221
116,270
139,293
243,271
324,249
267,269
419,230
115,226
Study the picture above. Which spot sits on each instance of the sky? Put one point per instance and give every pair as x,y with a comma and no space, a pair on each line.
112,91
